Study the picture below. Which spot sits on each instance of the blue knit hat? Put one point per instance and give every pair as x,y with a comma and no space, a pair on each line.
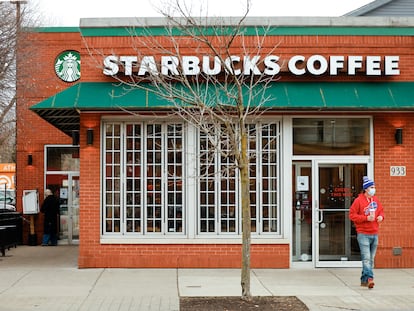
367,182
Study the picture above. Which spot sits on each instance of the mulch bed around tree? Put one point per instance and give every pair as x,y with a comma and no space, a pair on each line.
258,303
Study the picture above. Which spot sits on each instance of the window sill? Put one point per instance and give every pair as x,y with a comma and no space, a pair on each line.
154,240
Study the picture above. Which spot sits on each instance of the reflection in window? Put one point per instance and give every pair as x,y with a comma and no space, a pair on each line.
219,191
112,165
62,158
149,158
331,136
144,178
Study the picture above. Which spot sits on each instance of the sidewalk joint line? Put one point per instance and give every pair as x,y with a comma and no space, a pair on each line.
261,283
15,282
92,288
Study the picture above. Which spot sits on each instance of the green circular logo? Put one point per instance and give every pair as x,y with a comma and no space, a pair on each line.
67,66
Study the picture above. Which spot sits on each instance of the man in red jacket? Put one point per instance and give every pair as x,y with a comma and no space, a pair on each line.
367,213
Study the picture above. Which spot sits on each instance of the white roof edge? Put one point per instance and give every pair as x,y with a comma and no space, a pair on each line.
341,21
368,7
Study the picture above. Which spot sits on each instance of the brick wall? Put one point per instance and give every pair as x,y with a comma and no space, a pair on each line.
36,82
181,256
395,192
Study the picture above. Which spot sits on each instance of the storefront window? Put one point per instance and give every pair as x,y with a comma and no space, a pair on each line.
62,158
219,193
331,136
151,199
145,178
112,183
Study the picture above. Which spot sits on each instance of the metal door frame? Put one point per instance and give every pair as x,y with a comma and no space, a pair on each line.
316,163
299,165
70,208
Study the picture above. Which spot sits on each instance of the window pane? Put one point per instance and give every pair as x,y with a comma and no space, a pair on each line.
219,182
207,187
62,158
112,177
174,178
252,150
228,184
331,136
270,187
133,176
154,186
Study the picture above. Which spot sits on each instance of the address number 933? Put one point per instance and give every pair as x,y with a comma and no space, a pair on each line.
397,170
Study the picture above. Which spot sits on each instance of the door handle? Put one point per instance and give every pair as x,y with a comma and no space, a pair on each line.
320,216
320,212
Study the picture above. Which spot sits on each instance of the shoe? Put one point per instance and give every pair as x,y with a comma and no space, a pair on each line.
371,283
364,284
45,245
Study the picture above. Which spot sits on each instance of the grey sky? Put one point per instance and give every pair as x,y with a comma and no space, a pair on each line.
68,13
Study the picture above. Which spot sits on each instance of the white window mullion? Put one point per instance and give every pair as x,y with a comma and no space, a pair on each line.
259,183
191,198
164,179
278,173
217,179
144,178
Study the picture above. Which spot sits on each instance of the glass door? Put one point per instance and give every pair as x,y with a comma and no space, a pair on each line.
69,210
337,185
62,178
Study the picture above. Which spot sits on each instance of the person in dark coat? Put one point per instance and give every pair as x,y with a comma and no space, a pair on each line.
50,209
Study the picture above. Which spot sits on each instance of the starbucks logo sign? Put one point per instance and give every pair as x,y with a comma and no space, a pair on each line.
67,66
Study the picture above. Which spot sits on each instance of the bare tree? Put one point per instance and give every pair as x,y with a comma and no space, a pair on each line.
16,17
9,25
219,95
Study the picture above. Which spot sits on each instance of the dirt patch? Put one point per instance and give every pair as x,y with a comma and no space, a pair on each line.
262,303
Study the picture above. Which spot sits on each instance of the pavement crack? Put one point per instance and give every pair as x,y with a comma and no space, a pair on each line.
339,308
15,282
177,281
259,280
92,288
341,280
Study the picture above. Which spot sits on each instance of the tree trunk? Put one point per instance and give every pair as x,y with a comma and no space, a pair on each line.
245,203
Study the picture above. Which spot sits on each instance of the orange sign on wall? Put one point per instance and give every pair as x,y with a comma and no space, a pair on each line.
7,174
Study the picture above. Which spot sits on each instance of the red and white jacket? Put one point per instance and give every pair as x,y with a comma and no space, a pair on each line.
360,210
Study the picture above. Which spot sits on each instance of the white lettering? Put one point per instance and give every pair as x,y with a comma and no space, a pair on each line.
206,66
317,69
190,65
316,65
111,67
250,65
230,65
354,63
292,65
128,61
391,65
272,67
335,63
147,66
169,64
373,65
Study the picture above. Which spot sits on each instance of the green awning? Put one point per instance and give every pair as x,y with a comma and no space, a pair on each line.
63,109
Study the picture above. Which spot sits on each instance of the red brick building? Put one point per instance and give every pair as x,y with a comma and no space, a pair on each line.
341,108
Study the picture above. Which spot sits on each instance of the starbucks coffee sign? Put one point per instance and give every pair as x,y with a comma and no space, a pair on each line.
67,66
269,65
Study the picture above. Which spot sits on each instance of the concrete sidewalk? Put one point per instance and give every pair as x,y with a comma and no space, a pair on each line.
47,278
